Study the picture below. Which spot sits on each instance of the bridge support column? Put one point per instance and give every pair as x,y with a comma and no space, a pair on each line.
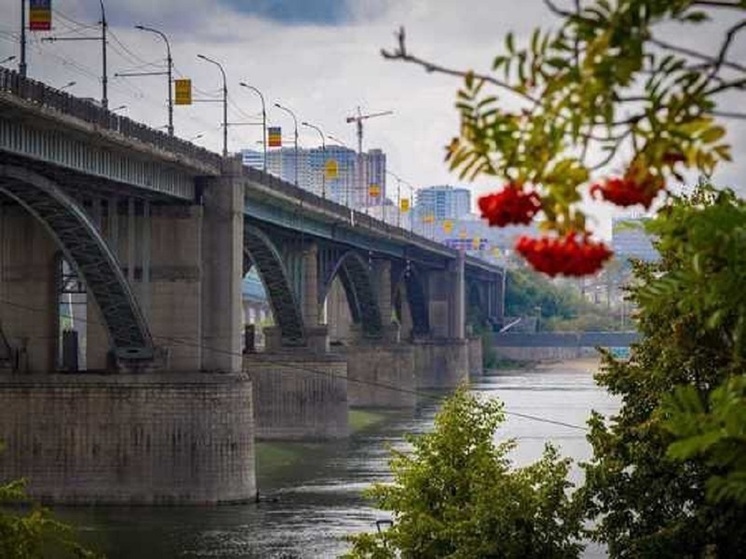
317,335
165,438
222,270
28,306
299,395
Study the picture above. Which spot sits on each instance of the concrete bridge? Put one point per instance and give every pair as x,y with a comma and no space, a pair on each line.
128,376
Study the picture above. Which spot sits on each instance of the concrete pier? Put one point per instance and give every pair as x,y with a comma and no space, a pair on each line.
441,364
299,395
381,375
155,439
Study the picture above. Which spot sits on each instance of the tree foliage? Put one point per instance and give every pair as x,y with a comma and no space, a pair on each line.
651,501
457,495
602,87
34,534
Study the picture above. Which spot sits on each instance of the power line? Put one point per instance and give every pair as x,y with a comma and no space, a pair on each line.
299,368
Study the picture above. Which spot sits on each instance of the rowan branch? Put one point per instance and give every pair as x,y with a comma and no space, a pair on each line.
698,55
401,53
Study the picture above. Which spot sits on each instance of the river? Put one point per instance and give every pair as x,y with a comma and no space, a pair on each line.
311,493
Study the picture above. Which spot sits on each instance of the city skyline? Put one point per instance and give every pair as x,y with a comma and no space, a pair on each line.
326,65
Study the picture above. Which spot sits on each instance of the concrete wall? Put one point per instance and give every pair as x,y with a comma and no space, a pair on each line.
371,369
298,395
129,439
549,346
27,278
474,344
441,363
538,353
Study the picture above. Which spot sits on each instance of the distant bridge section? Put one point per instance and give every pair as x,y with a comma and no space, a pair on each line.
558,345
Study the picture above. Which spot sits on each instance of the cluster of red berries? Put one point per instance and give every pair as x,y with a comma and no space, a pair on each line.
510,206
628,191
568,255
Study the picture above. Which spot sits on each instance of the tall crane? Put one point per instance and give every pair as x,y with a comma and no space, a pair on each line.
362,172
359,118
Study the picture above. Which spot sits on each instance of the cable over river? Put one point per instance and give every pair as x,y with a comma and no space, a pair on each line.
311,492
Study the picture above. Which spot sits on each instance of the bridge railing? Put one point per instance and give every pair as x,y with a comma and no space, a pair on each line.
45,96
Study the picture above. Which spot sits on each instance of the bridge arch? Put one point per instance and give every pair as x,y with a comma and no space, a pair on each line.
354,275
410,287
260,251
477,309
89,255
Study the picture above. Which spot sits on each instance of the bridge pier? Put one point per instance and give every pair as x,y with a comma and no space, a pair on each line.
157,438
28,310
298,394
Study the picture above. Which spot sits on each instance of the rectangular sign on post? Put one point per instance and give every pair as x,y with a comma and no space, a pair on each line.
404,204
274,136
183,92
374,190
40,15
331,169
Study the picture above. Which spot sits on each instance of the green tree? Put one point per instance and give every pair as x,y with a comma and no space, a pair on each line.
601,87
34,534
457,495
649,501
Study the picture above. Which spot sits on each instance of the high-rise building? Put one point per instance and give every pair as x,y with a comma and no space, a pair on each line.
349,187
443,202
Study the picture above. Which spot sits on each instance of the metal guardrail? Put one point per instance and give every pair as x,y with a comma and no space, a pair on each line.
47,97
364,221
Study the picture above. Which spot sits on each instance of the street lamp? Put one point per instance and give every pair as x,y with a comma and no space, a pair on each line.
68,84
119,108
295,122
323,152
225,102
8,59
169,71
264,120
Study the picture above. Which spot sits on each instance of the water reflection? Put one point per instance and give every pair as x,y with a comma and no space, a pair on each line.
312,495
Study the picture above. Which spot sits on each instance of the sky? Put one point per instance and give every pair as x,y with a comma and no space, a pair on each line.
320,58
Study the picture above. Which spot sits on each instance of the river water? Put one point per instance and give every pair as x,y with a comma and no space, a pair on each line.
311,492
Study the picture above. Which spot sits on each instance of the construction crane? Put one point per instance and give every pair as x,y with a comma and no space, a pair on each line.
359,118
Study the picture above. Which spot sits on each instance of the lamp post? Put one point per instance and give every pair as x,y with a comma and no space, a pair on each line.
169,73
295,122
225,101
323,155
264,120
398,197
104,71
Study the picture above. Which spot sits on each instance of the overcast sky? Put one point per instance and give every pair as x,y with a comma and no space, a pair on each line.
321,58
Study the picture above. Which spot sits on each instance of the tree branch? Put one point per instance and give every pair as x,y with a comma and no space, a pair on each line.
400,53
695,54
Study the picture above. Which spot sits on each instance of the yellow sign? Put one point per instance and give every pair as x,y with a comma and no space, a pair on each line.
495,251
182,92
428,218
447,226
404,204
476,243
374,190
331,169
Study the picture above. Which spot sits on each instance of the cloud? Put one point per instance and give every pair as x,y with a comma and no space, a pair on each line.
322,62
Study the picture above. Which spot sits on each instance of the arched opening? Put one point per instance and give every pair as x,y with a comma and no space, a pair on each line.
349,303
476,309
88,257
266,280
410,304
72,318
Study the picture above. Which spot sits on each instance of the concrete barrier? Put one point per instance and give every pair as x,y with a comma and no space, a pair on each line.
299,395
178,438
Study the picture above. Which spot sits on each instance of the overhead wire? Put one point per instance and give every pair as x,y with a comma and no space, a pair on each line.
300,368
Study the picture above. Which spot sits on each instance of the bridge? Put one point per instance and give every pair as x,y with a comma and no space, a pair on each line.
128,375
